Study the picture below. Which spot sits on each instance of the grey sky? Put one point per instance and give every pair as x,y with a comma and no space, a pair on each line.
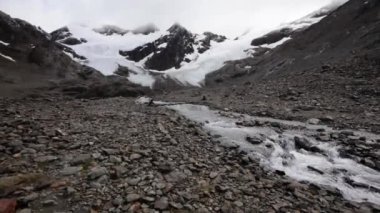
228,17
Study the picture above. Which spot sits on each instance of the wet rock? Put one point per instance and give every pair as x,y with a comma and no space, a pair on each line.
315,170
303,143
162,203
254,140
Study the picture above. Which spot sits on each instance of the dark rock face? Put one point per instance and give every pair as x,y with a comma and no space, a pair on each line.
170,50
64,36
41,65
272,37
19,31
206,42
178,43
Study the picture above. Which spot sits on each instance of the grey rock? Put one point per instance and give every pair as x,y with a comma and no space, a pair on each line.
133,197
25,211
70,171
114,159
133,181
49,203
117,201
135,156
162,203
97,172
80,159
45,159
313,121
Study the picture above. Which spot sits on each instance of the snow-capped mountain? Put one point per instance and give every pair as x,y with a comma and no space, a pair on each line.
173,49
146,54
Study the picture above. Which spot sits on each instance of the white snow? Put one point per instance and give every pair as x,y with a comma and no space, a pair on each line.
102,51
4,43
7,57
163,45
282,155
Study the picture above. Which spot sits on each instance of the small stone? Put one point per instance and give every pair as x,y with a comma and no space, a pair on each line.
254,140
313,121
238,203
49,203
133,181
162,203
118,201
70,171
229,195
25,211
80,159
97,172
45,159
133,197
213,175
135,156
115,159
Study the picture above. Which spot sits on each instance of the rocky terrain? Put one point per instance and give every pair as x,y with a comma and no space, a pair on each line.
111,155
74,140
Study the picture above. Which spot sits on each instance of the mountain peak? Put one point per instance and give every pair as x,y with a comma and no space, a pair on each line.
176,27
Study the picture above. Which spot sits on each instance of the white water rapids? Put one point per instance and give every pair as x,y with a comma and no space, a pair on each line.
276,150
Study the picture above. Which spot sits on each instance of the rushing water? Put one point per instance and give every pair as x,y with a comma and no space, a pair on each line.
277,150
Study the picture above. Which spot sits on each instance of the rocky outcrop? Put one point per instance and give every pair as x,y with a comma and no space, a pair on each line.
64,36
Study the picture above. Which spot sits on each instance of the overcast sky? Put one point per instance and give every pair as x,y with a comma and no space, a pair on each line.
228,17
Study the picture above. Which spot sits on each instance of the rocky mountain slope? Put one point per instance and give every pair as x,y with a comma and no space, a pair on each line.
31,62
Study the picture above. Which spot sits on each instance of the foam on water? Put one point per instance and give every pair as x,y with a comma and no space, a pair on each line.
278,151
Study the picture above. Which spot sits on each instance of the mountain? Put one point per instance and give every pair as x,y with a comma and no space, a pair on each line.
329,69
138,54
344,35
31,62
173,49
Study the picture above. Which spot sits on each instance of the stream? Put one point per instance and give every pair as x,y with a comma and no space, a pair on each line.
291,147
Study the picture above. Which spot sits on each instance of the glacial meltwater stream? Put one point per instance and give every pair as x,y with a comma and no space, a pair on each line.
293,149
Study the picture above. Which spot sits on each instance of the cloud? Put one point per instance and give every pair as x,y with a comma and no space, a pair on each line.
228,17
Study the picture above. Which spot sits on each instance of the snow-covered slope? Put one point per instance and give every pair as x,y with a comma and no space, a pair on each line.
183,57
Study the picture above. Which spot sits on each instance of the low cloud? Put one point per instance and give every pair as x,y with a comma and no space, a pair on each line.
228,17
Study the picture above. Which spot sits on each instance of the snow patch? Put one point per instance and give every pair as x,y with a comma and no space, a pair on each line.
4,43
7,57
163,45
